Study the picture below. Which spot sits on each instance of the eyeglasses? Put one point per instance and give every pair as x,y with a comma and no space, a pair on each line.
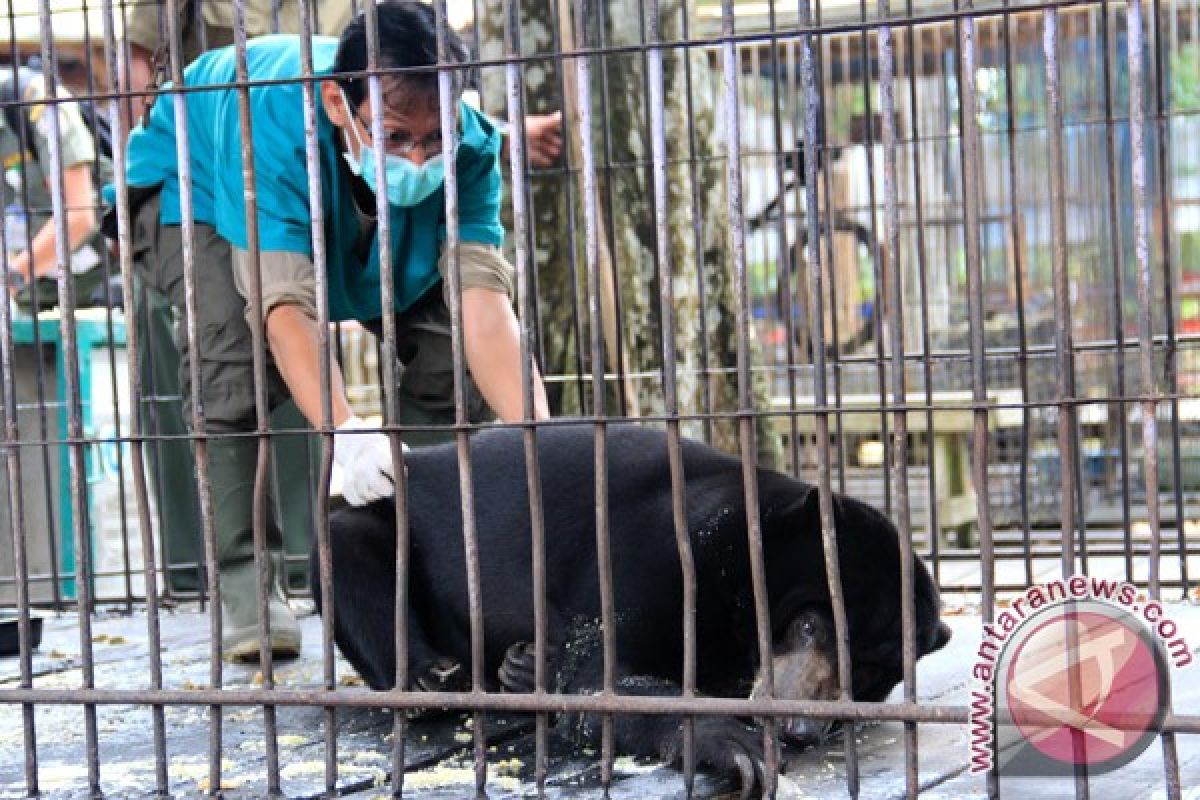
399,143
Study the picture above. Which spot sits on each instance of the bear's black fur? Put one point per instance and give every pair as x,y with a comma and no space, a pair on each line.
647,582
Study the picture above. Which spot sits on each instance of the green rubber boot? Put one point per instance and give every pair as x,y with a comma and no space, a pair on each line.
231,466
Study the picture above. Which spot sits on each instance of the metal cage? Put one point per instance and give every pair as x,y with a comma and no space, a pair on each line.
935,255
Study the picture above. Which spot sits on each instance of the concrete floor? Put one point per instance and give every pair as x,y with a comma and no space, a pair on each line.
439,750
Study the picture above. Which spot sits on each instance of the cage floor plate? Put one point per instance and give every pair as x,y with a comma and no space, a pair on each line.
439,750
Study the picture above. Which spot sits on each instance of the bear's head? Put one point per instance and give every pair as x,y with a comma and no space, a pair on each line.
804,648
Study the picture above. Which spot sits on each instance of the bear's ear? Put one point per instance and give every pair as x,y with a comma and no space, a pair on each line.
941,637
795,504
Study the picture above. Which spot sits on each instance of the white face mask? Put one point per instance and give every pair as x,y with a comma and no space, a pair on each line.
407,184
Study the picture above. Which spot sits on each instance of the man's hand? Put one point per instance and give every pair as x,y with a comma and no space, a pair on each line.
79,204
366,462
543,138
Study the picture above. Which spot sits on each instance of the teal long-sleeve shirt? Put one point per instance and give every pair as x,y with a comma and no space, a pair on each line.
281,180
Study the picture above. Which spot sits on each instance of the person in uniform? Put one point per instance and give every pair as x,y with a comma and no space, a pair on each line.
411,178
202,27
210,25
294,463
26,134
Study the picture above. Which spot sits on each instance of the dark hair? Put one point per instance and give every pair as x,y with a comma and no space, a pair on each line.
407,38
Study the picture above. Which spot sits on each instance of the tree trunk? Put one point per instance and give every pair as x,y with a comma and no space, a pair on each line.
705,319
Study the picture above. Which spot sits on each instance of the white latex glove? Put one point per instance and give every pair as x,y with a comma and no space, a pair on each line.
365,460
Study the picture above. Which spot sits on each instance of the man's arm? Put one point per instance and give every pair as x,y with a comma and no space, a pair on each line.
76,153
294,340
491,333
293,333
492,341
81,222
364,456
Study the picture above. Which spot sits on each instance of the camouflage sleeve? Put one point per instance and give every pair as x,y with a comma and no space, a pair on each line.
76,145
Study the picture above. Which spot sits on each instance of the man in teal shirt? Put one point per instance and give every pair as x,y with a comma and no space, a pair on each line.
412,180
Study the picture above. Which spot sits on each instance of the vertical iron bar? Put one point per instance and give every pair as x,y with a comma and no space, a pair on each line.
795,252
515,88
449,116
1064,338
969,144
1145,292
187,229
944,113
17,528
746,433
308,24
914,40
823,153
114,397
1075,431
609,231
698,211
262,409
199,24
583,92
70,361
758,155
12,436
16,517
1081,513
1064,351
1019,289
43,419
814,106
1145,322
876,261
785,258
1118,278
1166,216
572,226
133,345
892,274
388,360
666,285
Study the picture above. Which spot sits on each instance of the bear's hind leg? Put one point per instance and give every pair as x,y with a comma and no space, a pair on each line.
724,745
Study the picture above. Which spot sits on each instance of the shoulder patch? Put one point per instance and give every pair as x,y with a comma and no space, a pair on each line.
34,89
17,159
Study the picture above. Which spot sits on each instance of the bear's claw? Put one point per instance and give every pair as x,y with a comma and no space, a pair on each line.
518,670
749,775
733,748
443,675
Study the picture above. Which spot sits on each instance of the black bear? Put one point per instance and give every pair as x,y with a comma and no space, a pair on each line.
647,584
